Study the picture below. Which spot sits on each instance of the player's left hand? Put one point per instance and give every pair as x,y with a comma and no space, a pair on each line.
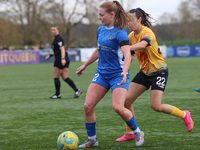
124,78
63,61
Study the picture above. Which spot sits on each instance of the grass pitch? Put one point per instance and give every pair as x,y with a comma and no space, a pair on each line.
29,120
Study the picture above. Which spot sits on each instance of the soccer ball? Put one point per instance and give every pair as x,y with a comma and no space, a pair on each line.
68,140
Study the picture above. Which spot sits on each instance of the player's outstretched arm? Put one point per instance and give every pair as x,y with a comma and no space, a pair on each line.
92,59
139,46
49,56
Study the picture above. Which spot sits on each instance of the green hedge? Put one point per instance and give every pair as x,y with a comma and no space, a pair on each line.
178,42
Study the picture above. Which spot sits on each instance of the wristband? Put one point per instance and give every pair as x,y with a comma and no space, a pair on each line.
50,55
62,58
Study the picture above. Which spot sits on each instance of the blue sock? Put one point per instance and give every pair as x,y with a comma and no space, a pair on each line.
132,124
91,129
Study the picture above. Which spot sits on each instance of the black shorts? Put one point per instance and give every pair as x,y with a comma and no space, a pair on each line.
58,64
157,81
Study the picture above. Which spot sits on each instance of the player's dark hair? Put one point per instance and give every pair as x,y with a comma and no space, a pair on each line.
55,26
145,16
121,17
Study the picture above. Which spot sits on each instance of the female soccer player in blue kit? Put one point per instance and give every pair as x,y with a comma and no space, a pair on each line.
112,71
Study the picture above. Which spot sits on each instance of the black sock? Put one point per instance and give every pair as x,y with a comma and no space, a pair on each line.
71,83
57,85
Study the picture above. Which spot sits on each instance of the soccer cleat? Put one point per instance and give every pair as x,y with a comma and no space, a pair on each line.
89,143
55,96
126,137
197,89
139,139
187,120
77,93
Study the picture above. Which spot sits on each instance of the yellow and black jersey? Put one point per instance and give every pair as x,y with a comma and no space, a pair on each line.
150,58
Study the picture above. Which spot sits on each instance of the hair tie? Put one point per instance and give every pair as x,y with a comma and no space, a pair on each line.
115,2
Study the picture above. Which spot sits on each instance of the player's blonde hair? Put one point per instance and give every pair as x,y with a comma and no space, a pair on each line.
121,17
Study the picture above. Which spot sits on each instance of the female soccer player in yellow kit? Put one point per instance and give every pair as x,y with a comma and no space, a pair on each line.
153,70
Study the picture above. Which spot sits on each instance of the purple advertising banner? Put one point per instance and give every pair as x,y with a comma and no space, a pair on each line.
19,57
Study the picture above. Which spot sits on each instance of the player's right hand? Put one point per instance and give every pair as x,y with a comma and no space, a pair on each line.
47,57
80,69
124,78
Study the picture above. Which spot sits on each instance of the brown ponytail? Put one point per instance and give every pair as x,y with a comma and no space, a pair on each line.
121,17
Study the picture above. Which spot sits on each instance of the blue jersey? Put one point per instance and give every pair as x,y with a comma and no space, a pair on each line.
111,59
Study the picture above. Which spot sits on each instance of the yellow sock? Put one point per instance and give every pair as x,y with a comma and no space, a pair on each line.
127,128
177,112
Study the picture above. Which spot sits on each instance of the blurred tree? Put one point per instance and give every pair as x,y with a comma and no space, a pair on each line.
68,15
184,11
189,28
180,25
35,17
27,14
28,22
9,34
194,5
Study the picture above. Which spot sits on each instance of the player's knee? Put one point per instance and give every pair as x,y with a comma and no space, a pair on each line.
156,107
87,109
118,110
64,77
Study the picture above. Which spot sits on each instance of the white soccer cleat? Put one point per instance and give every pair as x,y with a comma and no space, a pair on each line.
77,93
55,96
89,143
139,139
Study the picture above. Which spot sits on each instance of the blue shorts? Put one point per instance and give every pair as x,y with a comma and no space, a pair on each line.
110,81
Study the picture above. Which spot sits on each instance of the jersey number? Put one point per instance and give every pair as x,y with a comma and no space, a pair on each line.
95,77
161,82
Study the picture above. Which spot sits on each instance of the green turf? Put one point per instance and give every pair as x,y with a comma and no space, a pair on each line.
29,120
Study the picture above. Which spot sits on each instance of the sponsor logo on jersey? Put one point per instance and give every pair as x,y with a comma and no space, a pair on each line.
111,37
